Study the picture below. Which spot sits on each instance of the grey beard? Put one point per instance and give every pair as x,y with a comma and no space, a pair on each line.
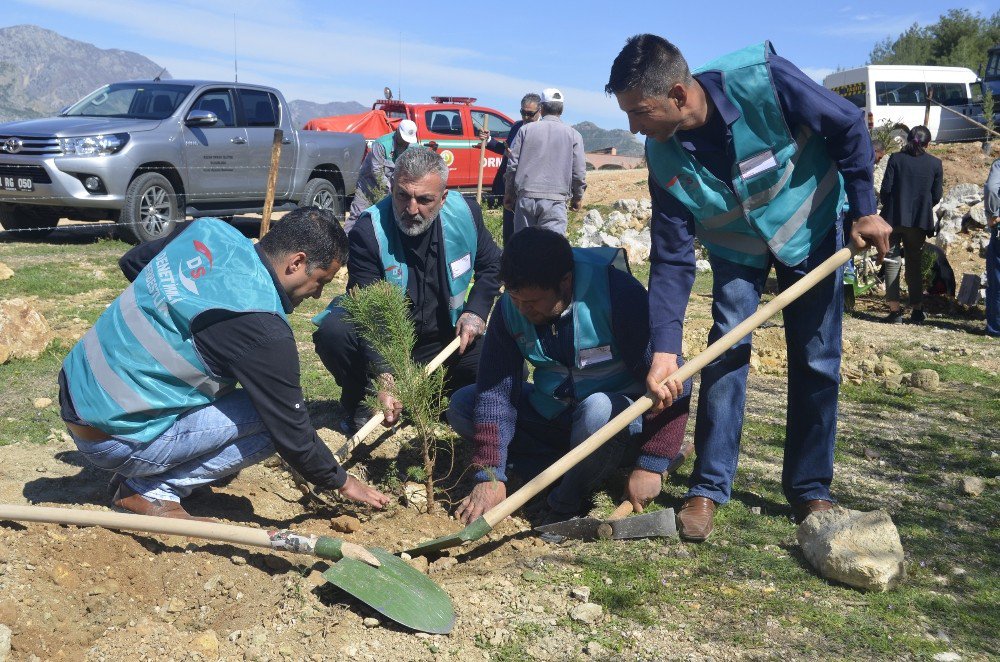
414,230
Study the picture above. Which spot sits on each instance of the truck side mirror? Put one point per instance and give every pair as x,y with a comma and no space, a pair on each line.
201,118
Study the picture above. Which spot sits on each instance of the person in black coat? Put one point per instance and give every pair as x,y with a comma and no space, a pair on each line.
910,189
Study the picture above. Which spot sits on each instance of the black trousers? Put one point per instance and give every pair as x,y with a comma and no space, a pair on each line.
342,351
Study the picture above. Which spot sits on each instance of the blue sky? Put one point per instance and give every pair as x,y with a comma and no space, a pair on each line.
495,51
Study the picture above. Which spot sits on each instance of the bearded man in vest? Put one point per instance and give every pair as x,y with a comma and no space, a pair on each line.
375,174
431,243
766,168
149,393
582,320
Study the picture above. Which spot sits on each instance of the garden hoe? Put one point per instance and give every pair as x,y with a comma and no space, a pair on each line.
485,523
382,581
618,526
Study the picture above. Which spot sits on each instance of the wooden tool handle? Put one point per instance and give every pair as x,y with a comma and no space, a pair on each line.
344,451
482,160
624,510
286,541
639,407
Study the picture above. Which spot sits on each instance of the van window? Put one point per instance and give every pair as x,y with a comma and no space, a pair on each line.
888,93
949,94
444,122
499,127
856,93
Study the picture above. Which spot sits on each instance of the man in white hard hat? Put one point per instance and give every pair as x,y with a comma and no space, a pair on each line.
545,169
375,177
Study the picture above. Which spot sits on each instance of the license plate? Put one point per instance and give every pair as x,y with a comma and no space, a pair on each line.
13,183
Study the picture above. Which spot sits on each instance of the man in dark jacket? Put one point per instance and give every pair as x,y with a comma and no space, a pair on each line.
149,393
430,242
911,187
530,112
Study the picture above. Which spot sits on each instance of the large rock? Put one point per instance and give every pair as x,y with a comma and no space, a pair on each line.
637,245
5,272
857,548
627,205
24,333
977,216
945,238
924,379
964,194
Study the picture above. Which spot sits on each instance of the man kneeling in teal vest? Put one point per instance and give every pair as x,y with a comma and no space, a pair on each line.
430,242
150,394
582,321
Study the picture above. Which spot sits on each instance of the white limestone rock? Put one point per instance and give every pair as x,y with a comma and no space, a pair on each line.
857,548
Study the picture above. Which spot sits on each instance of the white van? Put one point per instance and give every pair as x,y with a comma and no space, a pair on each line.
897,94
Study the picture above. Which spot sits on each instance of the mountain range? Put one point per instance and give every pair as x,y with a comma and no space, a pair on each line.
42,71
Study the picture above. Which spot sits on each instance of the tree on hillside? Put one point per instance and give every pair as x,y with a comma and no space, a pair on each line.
958,39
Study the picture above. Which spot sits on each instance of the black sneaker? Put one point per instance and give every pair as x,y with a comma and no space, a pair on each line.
917,316
894,317
355,420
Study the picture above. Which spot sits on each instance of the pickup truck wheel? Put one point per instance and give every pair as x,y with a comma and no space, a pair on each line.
321,193
150,210
28,222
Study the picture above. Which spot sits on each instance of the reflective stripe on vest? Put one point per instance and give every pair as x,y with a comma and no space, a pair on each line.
458,231
138,369
592,330
789,193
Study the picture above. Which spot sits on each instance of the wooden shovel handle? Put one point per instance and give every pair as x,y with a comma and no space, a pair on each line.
639,407
624,510
344,451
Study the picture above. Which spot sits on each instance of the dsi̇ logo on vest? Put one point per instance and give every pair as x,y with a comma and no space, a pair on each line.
196,267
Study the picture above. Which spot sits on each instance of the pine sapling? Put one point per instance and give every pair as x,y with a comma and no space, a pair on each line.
380,313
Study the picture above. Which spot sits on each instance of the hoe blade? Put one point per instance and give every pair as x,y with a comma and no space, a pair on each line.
474,531
397,591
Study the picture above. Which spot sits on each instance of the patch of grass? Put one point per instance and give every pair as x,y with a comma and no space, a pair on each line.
24,381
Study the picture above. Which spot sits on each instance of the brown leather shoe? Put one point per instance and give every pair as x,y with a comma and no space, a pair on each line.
807,508
694,520
128,499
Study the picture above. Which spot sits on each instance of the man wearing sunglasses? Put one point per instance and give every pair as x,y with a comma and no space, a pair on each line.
530,112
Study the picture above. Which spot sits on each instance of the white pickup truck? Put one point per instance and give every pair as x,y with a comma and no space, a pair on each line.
146,154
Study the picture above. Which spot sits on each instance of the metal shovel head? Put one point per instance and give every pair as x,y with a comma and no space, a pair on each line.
578,528
397,591
658,524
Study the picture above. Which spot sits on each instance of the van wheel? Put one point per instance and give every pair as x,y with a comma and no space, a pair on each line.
321,193
150,210
28,222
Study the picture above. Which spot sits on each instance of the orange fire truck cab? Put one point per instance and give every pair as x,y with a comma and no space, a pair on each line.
454,124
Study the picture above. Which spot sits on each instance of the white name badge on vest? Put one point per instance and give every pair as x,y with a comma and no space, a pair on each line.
461,265
595,355
758,164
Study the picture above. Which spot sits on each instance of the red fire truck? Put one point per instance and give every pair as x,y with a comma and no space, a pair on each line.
453,123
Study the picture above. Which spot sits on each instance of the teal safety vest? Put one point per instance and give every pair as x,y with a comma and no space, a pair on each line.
458,230
598,367
789,193
388,143
137,370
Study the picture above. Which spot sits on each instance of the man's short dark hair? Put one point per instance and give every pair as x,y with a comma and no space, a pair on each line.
650,64
535,257
311,230
530,97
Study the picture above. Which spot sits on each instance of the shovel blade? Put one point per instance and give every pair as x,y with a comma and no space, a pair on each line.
659,524
474,531
397,591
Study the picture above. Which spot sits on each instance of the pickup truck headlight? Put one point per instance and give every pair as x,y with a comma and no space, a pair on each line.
93,145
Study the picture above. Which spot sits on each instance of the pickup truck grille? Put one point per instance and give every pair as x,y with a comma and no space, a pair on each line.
31,145
37,173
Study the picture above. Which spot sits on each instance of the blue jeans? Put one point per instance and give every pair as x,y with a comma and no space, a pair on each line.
538,442
813,341
993,283
202,447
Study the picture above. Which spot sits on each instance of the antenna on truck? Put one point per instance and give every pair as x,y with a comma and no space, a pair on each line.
236,67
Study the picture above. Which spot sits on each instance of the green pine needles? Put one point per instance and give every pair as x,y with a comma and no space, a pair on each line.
381,314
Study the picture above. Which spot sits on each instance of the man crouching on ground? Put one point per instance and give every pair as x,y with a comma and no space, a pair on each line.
150,394
581,320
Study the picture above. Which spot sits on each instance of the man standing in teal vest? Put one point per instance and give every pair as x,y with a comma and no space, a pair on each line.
766,168
582,321
431,243
375,175
150,394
